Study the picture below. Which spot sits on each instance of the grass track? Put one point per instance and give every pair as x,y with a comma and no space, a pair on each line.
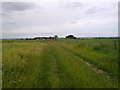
47,65
79,74
106,59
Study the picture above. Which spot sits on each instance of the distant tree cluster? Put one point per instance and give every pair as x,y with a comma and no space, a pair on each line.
47,38
29,38
55,37
71,37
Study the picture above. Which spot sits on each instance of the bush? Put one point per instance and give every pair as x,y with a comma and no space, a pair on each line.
71,37
97,48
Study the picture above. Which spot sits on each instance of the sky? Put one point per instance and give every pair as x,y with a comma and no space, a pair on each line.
81,19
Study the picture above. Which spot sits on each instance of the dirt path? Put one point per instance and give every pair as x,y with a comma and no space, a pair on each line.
92,66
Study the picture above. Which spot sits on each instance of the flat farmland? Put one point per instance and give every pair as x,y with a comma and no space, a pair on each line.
61,63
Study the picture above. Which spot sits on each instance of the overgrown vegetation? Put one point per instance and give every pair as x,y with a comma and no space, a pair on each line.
57,64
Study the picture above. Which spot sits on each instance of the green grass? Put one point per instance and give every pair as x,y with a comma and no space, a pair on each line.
104,56
20,64
54,64
0,65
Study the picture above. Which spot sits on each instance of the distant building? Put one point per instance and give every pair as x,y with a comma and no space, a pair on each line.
44,38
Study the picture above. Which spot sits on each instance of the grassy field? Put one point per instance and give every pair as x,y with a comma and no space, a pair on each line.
62,63
0,65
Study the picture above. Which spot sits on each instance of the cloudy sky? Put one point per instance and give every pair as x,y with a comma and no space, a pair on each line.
82,19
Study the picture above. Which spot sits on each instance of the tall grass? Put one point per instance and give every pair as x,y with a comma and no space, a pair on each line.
20,64
53,64
99,52
0,65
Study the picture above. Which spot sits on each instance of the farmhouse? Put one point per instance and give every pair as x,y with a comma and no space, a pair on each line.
44,38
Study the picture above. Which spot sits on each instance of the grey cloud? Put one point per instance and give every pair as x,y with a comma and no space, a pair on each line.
114,5
92,10
96,9
8,25
16,6
8,8
74,4
73,22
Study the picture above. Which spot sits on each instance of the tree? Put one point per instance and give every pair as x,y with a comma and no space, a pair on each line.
27,39
55,37
71,37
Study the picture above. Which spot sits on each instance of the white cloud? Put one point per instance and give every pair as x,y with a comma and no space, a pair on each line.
92,19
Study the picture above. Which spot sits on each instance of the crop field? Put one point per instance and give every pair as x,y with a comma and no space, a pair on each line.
61,63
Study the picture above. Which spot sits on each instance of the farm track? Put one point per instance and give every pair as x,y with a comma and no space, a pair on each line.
92,66
51,77
74,57
52,66
56,78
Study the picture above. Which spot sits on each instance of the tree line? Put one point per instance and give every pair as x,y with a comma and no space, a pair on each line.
69,37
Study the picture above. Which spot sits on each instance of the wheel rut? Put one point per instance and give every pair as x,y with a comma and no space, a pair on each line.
92,66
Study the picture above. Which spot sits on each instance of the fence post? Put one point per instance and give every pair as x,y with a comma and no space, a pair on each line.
115,44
